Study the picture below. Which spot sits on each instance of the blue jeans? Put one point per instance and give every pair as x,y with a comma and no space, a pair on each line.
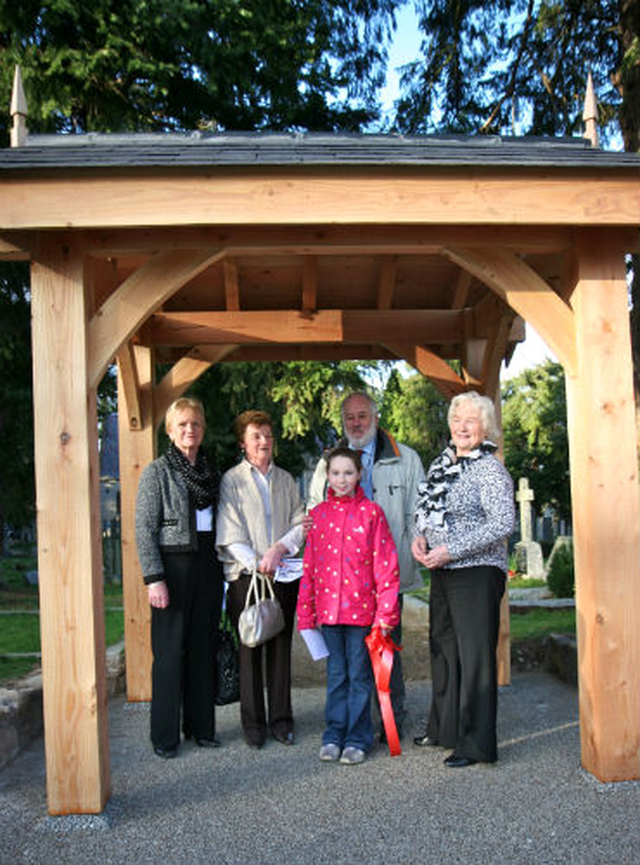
349,684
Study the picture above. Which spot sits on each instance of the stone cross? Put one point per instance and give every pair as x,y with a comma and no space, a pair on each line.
528,552
524,497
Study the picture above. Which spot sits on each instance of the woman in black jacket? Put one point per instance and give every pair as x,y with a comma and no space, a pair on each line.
175,536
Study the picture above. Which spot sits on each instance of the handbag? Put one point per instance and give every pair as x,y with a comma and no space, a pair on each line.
227,671
262,617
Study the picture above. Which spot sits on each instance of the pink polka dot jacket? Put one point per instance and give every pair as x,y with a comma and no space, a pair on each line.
350,567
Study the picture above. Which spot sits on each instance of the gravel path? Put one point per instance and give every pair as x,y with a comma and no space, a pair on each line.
282,806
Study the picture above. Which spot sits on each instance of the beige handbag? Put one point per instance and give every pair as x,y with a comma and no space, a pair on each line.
262,617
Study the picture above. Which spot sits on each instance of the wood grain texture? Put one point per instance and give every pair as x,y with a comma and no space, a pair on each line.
69,539
606,518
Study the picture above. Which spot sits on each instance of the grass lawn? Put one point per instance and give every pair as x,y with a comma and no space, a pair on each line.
534,624
20,632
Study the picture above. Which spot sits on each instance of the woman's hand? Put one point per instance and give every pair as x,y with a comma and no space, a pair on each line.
419,549
438,557
158,594
269,563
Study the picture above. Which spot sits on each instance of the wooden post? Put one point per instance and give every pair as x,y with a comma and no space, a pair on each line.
606,520
69,547
137,444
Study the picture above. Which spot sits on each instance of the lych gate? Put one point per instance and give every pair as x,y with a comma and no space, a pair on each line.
195,250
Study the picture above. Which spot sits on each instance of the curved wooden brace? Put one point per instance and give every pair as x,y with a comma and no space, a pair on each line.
525,292
138,297
430,365
183,373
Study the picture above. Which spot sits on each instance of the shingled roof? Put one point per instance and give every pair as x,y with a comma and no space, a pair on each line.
201,149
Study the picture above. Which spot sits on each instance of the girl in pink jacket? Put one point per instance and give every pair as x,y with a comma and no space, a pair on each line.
350,582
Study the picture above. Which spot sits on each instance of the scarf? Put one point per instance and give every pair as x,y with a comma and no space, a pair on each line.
201,481
445,470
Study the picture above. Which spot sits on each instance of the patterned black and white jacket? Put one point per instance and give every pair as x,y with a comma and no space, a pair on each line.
479,514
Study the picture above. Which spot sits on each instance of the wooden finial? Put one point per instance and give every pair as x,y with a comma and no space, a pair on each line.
18,111
590,113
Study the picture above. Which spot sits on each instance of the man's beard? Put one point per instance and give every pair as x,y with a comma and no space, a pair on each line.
363,440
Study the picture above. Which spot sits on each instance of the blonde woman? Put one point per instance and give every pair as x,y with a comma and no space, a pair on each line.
175,536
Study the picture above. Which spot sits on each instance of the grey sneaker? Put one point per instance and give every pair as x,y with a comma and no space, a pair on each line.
330,753
352,755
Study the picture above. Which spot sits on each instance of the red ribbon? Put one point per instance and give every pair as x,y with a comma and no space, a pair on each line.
381,649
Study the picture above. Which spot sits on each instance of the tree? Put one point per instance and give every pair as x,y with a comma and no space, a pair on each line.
521,66
303,399
16,412
152,65
415,413
163,65
534,419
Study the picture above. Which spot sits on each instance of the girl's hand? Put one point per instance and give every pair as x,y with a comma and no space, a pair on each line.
307,523
158,594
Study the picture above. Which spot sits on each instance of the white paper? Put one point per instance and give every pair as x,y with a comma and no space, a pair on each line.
315,643
289,570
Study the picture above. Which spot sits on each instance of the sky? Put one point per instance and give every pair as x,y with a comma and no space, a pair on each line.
405,48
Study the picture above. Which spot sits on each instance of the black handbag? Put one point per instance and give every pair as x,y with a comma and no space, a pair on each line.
227,672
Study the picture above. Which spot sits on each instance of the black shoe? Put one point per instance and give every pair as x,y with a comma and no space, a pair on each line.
166,753
284,738
425,741
209,743
457,761
254,743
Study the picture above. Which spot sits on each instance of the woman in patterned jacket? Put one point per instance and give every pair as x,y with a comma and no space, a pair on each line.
464,515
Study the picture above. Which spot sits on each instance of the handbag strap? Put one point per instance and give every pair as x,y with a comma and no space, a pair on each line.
259,587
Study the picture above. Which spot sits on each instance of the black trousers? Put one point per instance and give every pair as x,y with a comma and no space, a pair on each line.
182,639
278,715
464,621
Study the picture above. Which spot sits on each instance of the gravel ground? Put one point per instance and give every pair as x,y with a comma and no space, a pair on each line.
237,806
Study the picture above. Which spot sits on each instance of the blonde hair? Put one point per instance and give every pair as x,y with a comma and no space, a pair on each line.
485,408
184,403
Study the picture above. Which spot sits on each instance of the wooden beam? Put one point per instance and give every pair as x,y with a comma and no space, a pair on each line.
69,539
606,513
182,375
431,366
495,351
330,239
298,195
128,373
387,282
291,326
461,290
526,293
137,449
140,295
308,351
231,284
310,284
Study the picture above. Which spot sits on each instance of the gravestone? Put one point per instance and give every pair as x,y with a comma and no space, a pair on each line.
528,552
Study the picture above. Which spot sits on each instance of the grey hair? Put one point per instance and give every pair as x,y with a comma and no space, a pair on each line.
485,408
360,393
